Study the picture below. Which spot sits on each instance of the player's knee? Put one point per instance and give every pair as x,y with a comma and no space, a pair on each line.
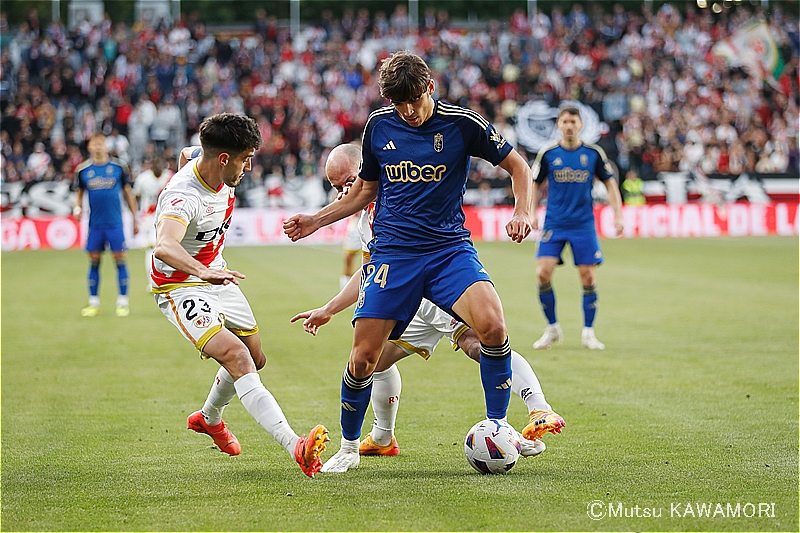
493,333
362,368
362,364
543,275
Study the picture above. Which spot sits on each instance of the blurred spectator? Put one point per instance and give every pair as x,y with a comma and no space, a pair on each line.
632,189
669,104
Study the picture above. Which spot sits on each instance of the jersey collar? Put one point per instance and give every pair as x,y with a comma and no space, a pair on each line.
202,181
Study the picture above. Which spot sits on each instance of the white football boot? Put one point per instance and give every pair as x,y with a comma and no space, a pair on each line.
552,335
590,341
346,458
530,448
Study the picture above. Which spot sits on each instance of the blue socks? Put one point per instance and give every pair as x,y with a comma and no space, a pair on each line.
548,299
496,378
589,305
122,278
94,277
355,400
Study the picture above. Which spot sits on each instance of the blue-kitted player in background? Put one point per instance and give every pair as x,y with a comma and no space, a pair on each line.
104,179
568,169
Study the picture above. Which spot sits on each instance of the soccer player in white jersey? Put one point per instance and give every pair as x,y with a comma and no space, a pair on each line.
201,297
427,328
147,186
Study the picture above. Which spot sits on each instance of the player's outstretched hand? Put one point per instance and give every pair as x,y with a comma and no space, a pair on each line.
221,277
314,319
299,226
518,228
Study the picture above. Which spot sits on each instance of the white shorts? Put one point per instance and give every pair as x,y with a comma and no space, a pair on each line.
427,328
200,312
352,238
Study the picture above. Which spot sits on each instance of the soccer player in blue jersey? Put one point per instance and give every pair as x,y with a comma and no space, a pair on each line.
104,179
415,160
568,170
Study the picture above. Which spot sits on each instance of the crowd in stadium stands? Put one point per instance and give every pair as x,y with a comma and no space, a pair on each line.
668,102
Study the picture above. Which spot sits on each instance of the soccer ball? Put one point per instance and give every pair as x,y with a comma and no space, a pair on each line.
492,446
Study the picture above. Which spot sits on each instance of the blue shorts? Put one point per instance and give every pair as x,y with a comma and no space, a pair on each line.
98,237
584,243
393,285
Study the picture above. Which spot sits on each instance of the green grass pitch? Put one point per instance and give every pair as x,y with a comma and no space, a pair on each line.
695,400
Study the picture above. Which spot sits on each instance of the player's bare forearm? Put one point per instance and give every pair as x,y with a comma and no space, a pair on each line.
169,250
521,222
130,198
359,197
316,318
615,201
77,209
346,297
535,194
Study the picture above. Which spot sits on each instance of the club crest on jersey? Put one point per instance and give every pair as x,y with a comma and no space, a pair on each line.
109,171
584,160
210,210
203,321
438,142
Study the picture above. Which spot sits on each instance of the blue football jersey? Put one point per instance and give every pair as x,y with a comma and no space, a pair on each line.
103,184
570,178
422,173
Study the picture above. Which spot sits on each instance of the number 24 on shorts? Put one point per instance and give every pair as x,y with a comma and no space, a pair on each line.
380,277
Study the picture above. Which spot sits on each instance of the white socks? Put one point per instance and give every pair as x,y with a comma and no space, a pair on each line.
349,445
94,301
525,384
221,393
386,388
262,406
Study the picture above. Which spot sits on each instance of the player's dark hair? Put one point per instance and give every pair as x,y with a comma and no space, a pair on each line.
572,110
404,77
227,132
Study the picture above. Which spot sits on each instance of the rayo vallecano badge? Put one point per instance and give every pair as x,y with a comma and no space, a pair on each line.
438,142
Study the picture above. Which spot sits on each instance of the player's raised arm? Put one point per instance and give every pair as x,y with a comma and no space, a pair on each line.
521,221
360,195
168,249
187,154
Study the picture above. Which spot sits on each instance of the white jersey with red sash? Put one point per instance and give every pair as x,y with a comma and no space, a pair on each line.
205,212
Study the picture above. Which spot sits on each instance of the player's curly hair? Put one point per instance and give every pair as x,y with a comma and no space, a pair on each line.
404,77
227,132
